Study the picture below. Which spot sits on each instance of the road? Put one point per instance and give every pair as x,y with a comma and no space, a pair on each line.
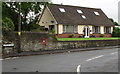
90,61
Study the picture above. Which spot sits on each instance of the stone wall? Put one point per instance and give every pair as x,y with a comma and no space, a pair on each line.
32,41
29,41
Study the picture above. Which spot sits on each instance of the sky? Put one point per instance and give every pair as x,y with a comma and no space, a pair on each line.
109,7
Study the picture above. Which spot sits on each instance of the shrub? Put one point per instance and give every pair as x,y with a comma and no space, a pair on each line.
116,32
80,36
102,35
53,31
93,36
7,24
71,35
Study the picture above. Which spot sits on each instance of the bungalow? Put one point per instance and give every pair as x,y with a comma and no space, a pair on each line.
80,21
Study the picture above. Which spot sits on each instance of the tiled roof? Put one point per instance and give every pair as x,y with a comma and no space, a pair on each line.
72,17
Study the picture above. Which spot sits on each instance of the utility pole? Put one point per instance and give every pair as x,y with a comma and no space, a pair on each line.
19,29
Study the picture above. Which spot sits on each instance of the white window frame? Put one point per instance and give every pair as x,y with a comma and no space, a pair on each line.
79,11
62,9
107,28
98,29
83,16
96,13
75,28
64,28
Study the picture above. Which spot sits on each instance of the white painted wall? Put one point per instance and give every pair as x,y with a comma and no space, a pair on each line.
46,18
80,29
111,29
60,26
102,29
90,26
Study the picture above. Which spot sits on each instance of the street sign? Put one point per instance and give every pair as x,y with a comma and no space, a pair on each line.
5,45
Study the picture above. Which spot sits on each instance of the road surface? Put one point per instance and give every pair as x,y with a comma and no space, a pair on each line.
90,61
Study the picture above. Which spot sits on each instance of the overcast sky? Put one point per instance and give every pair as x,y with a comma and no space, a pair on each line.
109,7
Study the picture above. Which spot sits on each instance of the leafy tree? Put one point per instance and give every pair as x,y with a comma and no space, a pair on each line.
116,30
115,23
10,13
7,24
30,12
111,19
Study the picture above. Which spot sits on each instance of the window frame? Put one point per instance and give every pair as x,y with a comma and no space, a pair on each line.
74,30
96,13
79,11
107,29
62,10
83,16
96,29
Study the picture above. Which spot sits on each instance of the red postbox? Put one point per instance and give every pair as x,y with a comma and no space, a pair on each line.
44,41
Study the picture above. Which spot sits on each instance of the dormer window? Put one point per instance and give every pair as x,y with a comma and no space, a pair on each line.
79,11
62,9
96,13
83,16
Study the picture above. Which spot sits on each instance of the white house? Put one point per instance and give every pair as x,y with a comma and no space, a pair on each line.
80,21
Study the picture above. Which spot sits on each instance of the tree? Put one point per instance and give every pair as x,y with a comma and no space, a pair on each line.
10,13
30,12
115,23
116,30
7,24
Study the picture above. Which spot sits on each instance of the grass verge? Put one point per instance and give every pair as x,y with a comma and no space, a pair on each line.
78,39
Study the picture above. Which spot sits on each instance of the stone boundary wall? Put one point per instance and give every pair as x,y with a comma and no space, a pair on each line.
32,41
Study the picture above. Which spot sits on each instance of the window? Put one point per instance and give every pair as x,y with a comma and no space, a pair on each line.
62,9
96,29
83,16
79,11
107,29
96,13
69,29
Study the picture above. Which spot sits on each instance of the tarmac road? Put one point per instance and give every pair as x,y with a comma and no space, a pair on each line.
90,61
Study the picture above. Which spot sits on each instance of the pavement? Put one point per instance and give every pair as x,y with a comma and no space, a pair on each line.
42,52
105,60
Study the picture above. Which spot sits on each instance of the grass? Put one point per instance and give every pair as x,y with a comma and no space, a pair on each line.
78,39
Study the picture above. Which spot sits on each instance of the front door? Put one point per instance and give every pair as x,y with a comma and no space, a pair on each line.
86,32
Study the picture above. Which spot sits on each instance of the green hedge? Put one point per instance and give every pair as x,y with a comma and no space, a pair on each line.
116,32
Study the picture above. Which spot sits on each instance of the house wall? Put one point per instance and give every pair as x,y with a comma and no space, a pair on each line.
55,29
80,32
60,29
80,29
102,29
90,26
111,29
46,19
